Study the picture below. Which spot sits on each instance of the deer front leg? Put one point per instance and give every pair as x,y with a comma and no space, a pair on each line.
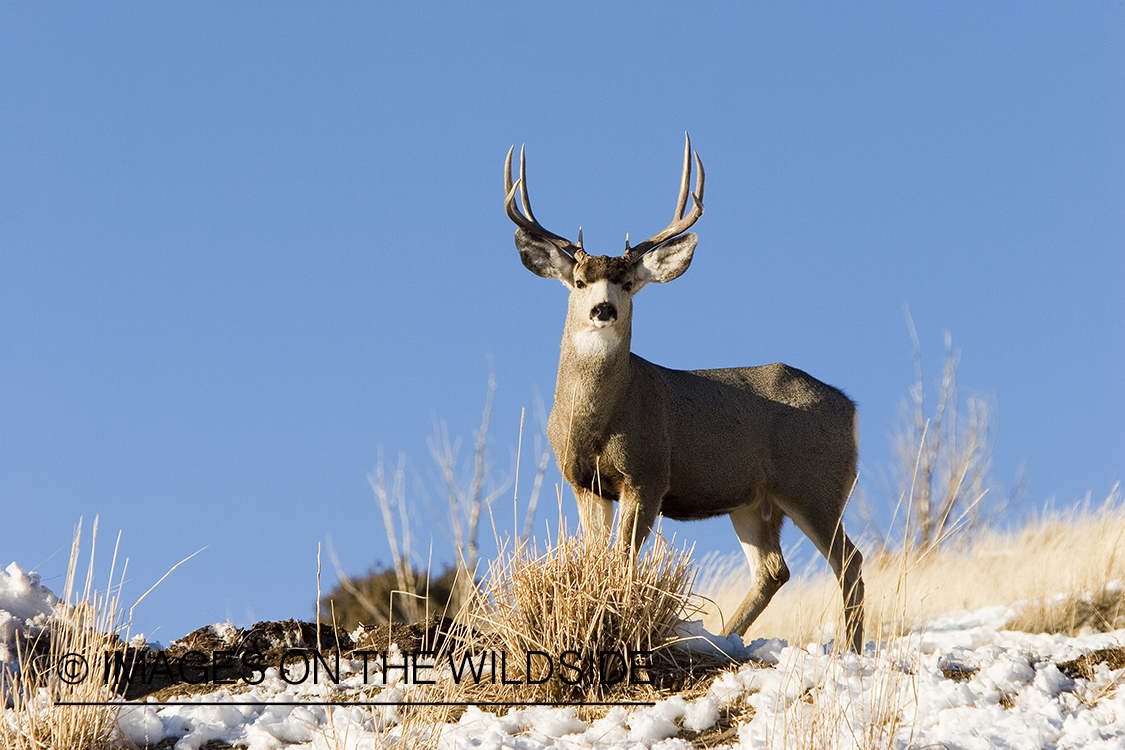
639,510
595,514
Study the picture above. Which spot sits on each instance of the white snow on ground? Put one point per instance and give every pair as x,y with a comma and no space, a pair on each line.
25,605
800,696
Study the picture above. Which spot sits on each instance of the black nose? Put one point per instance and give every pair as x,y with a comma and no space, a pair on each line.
603,311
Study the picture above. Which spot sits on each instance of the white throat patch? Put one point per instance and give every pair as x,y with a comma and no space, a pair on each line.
590,341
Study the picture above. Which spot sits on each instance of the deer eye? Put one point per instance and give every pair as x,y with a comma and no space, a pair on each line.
627,286
580,284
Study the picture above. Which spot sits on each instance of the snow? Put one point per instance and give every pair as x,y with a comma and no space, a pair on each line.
25,605
1008,693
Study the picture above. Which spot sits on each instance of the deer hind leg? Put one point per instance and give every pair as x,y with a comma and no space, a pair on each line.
758,526
595,514
847,563
848,567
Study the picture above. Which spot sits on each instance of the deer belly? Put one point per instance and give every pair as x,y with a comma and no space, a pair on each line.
696,508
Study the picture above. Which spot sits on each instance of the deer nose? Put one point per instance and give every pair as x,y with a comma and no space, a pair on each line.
604,312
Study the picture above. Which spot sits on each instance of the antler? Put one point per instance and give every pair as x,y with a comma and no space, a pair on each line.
526,220
680,223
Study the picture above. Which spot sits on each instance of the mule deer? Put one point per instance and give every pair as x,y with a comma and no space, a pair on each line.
754,443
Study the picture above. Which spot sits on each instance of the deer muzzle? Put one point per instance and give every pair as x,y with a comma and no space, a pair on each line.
603,314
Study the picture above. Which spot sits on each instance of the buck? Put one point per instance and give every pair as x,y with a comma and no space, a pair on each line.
754,443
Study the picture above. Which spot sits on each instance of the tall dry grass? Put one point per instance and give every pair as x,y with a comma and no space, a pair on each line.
1048,567
80,631
582,599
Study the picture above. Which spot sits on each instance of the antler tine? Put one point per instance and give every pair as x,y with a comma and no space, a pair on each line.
681,202
523,189
527,220
699,182
680,222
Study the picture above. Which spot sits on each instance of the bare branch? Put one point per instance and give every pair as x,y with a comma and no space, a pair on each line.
404,572
944,462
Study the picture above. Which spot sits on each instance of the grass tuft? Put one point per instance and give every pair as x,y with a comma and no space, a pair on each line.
576,601
83,625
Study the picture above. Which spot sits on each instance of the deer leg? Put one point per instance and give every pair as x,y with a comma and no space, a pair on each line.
638,515
595,514
847,563
758,526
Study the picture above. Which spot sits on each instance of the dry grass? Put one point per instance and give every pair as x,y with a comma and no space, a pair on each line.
1077,554
565,598
1074,614
82,625
582,600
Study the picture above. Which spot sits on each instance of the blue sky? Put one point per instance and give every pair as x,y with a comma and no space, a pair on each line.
242,246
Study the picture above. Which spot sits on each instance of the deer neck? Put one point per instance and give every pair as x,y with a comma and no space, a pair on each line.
594,372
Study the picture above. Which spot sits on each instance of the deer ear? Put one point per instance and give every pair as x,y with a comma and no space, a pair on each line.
667,261
543,258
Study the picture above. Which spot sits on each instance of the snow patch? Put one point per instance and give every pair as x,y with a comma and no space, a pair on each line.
25,606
